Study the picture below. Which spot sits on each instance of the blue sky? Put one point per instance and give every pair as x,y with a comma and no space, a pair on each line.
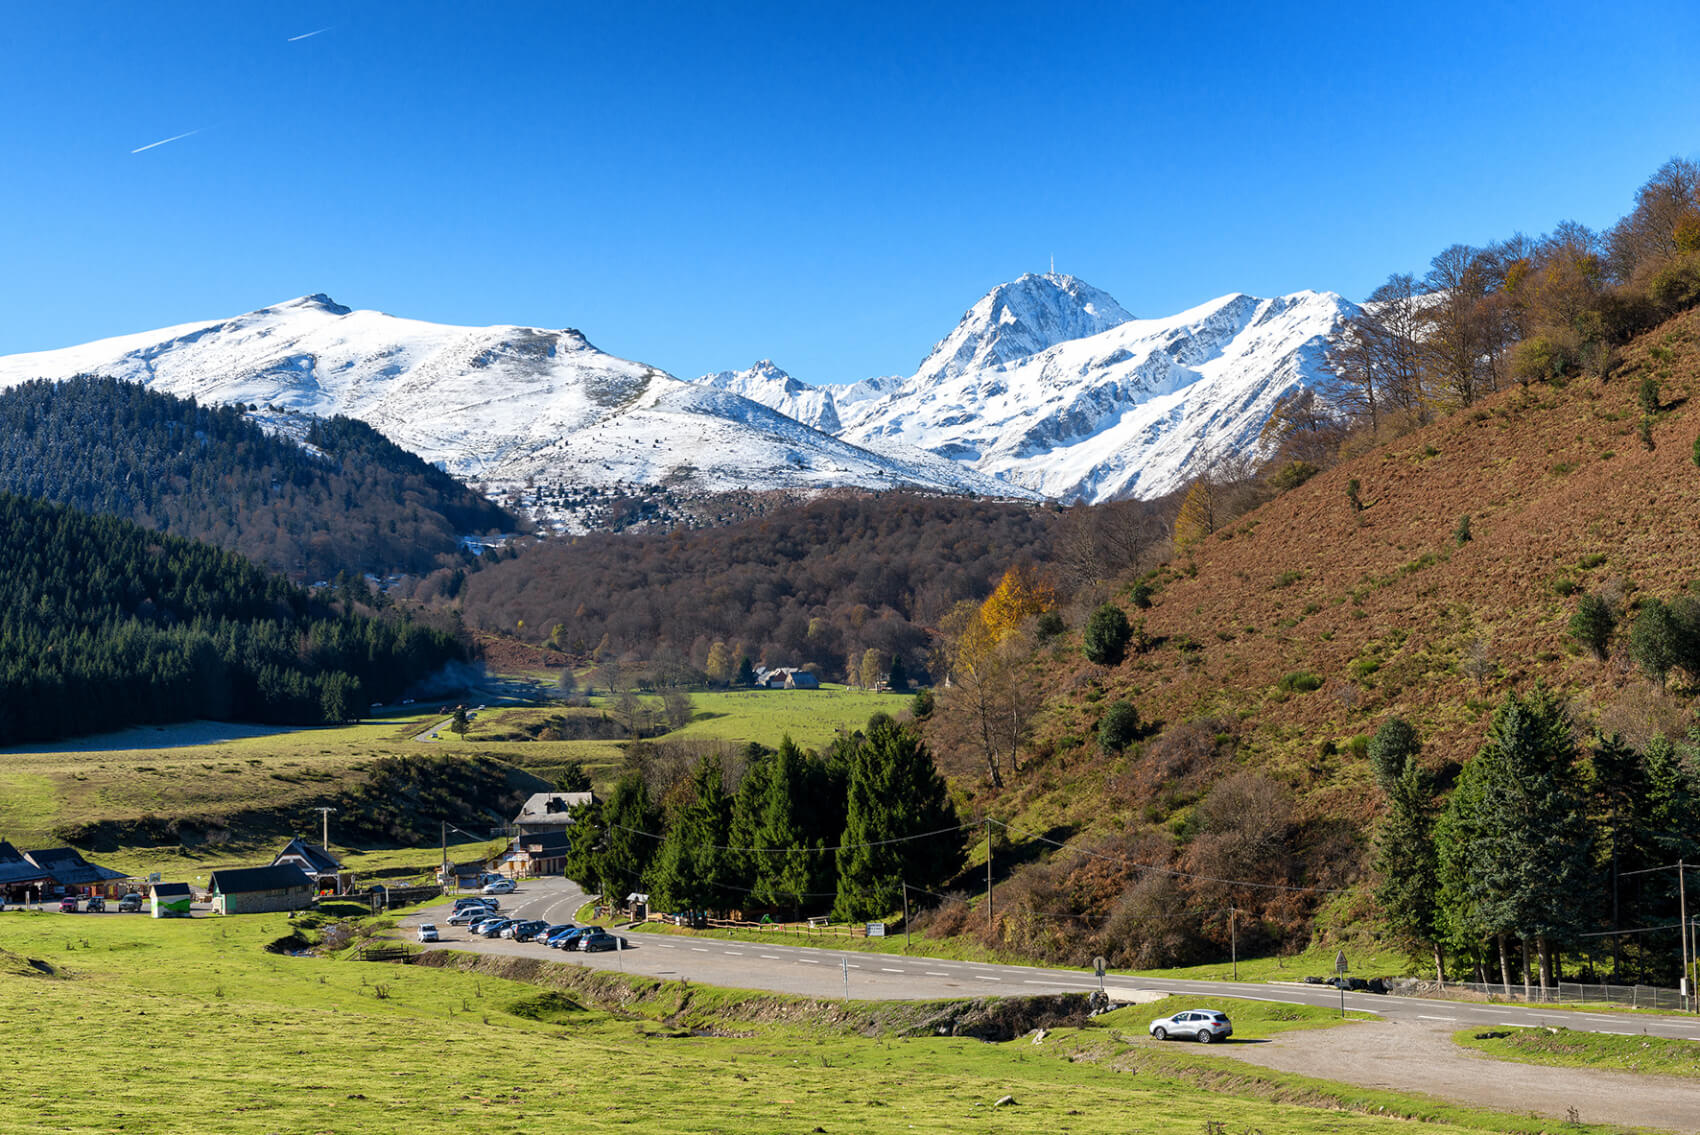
830,185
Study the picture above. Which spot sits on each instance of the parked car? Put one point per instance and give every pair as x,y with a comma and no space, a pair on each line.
499,887
601,940
568,939
492,927
427,932
477,900
525,931
132,902
466,916
1203,1025
477,925
95,903
542,936
68,904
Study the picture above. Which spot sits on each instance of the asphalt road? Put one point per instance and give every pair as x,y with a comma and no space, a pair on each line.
815,972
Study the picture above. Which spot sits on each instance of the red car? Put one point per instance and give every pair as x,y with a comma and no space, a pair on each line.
68,904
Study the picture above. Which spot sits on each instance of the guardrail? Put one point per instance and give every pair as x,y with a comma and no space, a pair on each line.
811,928
1633,996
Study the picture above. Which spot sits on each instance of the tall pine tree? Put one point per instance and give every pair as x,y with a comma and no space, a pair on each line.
896,795
692,870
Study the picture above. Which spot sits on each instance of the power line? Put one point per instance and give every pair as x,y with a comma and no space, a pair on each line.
1170,871
820,850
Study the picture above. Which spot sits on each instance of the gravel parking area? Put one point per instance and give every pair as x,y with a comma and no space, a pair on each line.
1410,1056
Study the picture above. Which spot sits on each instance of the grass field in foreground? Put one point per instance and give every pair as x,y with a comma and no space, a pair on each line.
1664,1056
168,1026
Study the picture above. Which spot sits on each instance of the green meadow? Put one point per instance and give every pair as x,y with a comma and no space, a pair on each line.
1664,1056
205,771
191,1026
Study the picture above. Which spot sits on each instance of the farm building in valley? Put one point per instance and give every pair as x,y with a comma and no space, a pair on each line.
316,863
260,890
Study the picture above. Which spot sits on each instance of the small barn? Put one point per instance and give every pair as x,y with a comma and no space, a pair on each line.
171,900
315,862
260,890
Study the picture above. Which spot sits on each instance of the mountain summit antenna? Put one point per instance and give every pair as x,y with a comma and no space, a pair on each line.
1053,264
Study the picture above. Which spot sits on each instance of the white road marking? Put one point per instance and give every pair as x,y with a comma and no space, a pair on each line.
734,953
1058,984
982,977
665,946
1426,1017
888,969
771,957
699,949
808,961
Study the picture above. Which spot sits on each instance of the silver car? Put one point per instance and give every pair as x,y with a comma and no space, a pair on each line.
1203,1025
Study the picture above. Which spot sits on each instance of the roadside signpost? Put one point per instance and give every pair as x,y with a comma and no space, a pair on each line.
1340,978
1099,965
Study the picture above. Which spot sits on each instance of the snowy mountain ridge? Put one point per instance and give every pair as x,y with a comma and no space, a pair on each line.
501,403
1134,410
1046,388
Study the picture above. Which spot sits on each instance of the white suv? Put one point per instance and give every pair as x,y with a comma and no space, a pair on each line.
1204,1025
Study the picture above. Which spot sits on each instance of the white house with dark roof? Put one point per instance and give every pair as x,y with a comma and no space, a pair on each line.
548,811
315,862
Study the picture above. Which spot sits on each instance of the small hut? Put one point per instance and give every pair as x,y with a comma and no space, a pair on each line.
171,900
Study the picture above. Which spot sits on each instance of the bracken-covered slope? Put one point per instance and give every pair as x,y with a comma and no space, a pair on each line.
1392,613
498,403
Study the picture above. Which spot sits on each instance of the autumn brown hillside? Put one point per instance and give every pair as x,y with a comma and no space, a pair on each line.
1395,614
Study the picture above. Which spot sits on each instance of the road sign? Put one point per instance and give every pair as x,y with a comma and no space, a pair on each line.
1099,965
1340,962
876,930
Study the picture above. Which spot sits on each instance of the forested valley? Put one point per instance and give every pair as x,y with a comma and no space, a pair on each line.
348,500
104,624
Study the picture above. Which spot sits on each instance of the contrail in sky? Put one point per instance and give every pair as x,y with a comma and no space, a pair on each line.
309,35
163,141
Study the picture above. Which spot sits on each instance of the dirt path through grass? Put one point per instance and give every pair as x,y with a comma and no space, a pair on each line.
1420,1057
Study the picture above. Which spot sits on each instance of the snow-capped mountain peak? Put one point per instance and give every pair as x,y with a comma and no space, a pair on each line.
1021,318
772,387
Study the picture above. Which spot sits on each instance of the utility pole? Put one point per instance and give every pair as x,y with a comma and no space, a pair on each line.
905,885
445,855
1234,941
988,876
1682,898
325,825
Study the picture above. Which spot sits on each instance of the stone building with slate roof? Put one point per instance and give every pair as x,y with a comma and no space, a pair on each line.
260,890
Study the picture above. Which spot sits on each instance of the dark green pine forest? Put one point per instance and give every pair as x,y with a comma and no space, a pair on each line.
348,501
105,624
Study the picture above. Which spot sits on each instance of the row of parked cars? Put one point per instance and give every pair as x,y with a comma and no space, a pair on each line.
481,916
94,904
